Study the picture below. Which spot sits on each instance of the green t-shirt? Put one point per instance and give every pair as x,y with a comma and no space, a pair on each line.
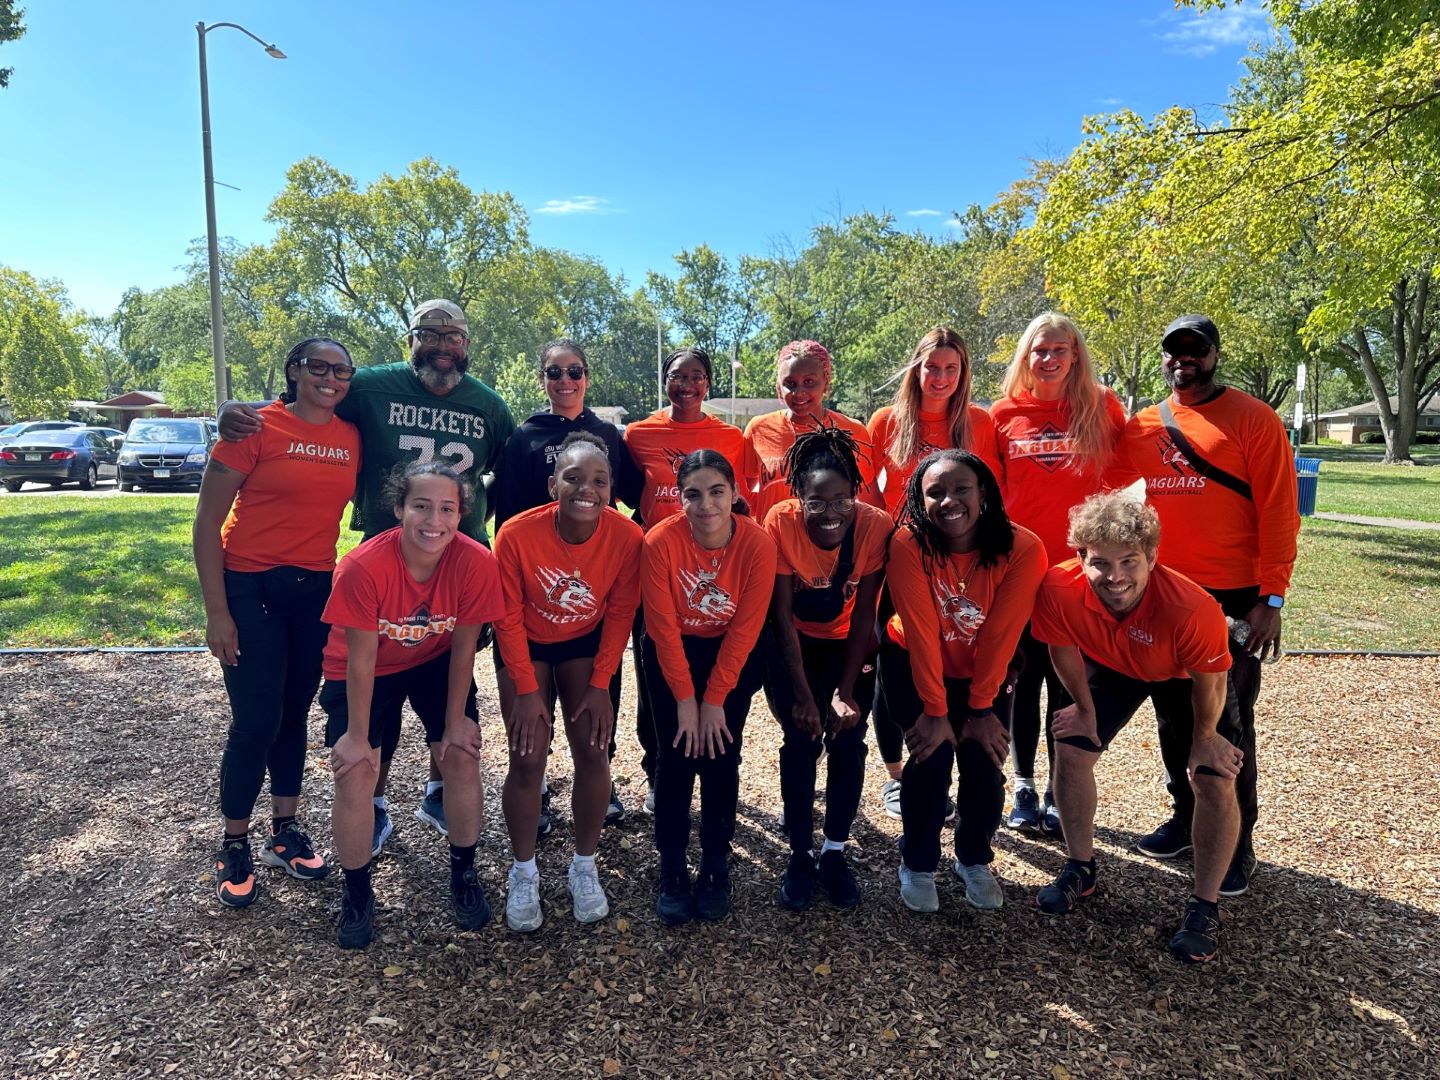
400,421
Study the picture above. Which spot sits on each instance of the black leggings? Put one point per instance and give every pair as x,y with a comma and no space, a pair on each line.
277,616
1036,673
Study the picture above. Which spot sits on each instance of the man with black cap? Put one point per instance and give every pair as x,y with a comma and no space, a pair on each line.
1219,470
428,408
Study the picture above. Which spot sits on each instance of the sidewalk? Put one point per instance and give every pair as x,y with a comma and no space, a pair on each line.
1386,522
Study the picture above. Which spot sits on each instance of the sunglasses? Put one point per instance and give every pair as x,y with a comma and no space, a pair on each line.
321,368
555,371
1191,350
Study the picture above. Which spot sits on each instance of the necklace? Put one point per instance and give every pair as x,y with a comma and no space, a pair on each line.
715,556
817,553
965,573
568,549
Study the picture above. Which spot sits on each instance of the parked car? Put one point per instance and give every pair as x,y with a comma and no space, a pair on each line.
114,436
57,457
14,431
168,452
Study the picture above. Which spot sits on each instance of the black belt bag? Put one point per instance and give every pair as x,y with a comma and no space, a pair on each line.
825,605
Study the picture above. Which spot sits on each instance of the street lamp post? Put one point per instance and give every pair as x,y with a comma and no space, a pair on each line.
217,311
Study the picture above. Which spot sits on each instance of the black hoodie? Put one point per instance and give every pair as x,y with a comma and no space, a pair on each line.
527,462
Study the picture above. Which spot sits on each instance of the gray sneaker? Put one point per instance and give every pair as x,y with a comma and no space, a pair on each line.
522,901
917,890
890,797
649,798
981,889
589,898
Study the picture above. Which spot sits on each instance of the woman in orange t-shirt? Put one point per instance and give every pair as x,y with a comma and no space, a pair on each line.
707,579
820,681
964,581
265,531
571,574
1056,429
932,411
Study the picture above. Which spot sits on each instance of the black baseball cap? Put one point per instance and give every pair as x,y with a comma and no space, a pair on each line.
1195,324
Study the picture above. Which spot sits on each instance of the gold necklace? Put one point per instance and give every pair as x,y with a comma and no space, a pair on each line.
555,520
716,561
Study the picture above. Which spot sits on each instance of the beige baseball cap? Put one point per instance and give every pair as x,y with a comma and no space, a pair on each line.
439,315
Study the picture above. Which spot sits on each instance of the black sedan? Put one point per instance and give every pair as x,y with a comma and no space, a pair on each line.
58,457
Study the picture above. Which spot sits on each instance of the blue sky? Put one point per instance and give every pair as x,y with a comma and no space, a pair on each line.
629,130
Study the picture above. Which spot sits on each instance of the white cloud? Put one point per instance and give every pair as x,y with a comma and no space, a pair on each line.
1203,34
924,213
954,223
1112,102
576,204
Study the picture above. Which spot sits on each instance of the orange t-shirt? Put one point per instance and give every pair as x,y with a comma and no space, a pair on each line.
657,444
934,435
962,620
1176,628
1040,476
688,590
812,566
1211,534
556,591
768,437
298,478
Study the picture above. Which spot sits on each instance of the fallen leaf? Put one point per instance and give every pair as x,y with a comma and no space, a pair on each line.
635,999
1060,1072
889,1035
822,969
623,925
611,1067
502,1070
600,990
382,1021
393,970
991,1055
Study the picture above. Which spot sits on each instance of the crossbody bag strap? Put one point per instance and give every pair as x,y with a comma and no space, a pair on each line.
1198,463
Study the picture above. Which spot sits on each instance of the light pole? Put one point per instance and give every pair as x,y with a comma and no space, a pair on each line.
217,312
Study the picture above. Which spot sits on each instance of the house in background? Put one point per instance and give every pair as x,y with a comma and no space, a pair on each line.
741,410
134,403
1348,425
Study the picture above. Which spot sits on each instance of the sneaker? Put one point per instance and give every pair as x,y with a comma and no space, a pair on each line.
290,850
1172,838
1076,881
467,901
357,922
235,884
522,901
383,828
1050,818
917,890
547,819
1237,878
615,812
981,889
1198,938
432,811
649,806
840,886
797,887
712,892
587,897
1024,810
890,798
675,905
950,810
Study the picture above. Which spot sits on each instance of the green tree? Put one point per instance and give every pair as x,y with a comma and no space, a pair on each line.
708,302
11,29
44,357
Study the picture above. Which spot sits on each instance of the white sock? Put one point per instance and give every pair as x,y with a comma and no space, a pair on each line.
583,862
432,786
379,801
528,867
831,845
1024,783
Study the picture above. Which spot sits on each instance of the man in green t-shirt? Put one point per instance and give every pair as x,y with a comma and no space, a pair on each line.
427,408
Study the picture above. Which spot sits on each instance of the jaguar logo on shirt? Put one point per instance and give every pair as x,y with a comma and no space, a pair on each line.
704,597
963,615
1050,448
1181,479
413,629
572,595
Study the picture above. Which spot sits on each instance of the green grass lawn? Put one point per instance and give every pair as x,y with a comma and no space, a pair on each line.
88,571
1401,491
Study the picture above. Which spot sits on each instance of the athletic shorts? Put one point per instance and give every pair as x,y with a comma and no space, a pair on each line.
425,687
554,653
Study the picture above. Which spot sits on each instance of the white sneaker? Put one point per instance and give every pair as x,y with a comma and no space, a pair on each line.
591,904
917,890
890,797
981,889
522,901
650,799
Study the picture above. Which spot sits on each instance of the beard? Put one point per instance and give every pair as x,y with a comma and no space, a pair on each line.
435,380
1177,380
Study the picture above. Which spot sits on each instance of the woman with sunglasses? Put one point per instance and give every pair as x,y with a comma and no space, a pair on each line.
265,531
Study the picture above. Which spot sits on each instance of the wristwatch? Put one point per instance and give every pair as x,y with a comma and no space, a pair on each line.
1274,600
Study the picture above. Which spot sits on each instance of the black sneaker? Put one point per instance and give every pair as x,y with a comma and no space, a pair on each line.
547,819
1076,881
384,826
840,886
357,922
235,884
467,900
615,812
1050,818
1237,878
712,893
1198,938
1170,839
675,905
797,887
1024,810
290,850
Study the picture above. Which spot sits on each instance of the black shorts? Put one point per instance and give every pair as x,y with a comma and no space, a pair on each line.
1117,697
553,653
425,687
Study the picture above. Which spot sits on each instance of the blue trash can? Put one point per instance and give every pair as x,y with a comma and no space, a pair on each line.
1307,474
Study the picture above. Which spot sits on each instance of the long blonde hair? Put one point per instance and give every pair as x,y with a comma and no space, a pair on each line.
906,410
1082,398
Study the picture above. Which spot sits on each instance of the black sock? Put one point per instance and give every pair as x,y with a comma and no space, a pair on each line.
1211,907
236,839
279,823
1087,865
461,859
357,884
714,862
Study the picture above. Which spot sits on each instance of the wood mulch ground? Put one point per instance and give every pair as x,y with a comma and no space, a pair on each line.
115,959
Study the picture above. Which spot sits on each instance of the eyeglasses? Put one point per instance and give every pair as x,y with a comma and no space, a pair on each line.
321,368
692,379
434,337
819,506
575,371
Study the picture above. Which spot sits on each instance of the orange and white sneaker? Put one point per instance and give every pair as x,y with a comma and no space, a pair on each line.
235,883
291,851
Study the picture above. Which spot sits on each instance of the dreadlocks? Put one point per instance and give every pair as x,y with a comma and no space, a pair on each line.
994,535
827,447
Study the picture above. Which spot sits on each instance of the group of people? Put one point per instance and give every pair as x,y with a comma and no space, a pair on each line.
933,570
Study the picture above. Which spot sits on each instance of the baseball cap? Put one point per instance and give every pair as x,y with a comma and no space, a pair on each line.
439,315
1195,324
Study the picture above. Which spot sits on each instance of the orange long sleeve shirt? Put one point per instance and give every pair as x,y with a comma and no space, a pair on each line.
934,435
1212,535
962,620
769,437
688,590
657,445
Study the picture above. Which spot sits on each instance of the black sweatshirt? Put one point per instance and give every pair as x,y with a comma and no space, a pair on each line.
527,462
